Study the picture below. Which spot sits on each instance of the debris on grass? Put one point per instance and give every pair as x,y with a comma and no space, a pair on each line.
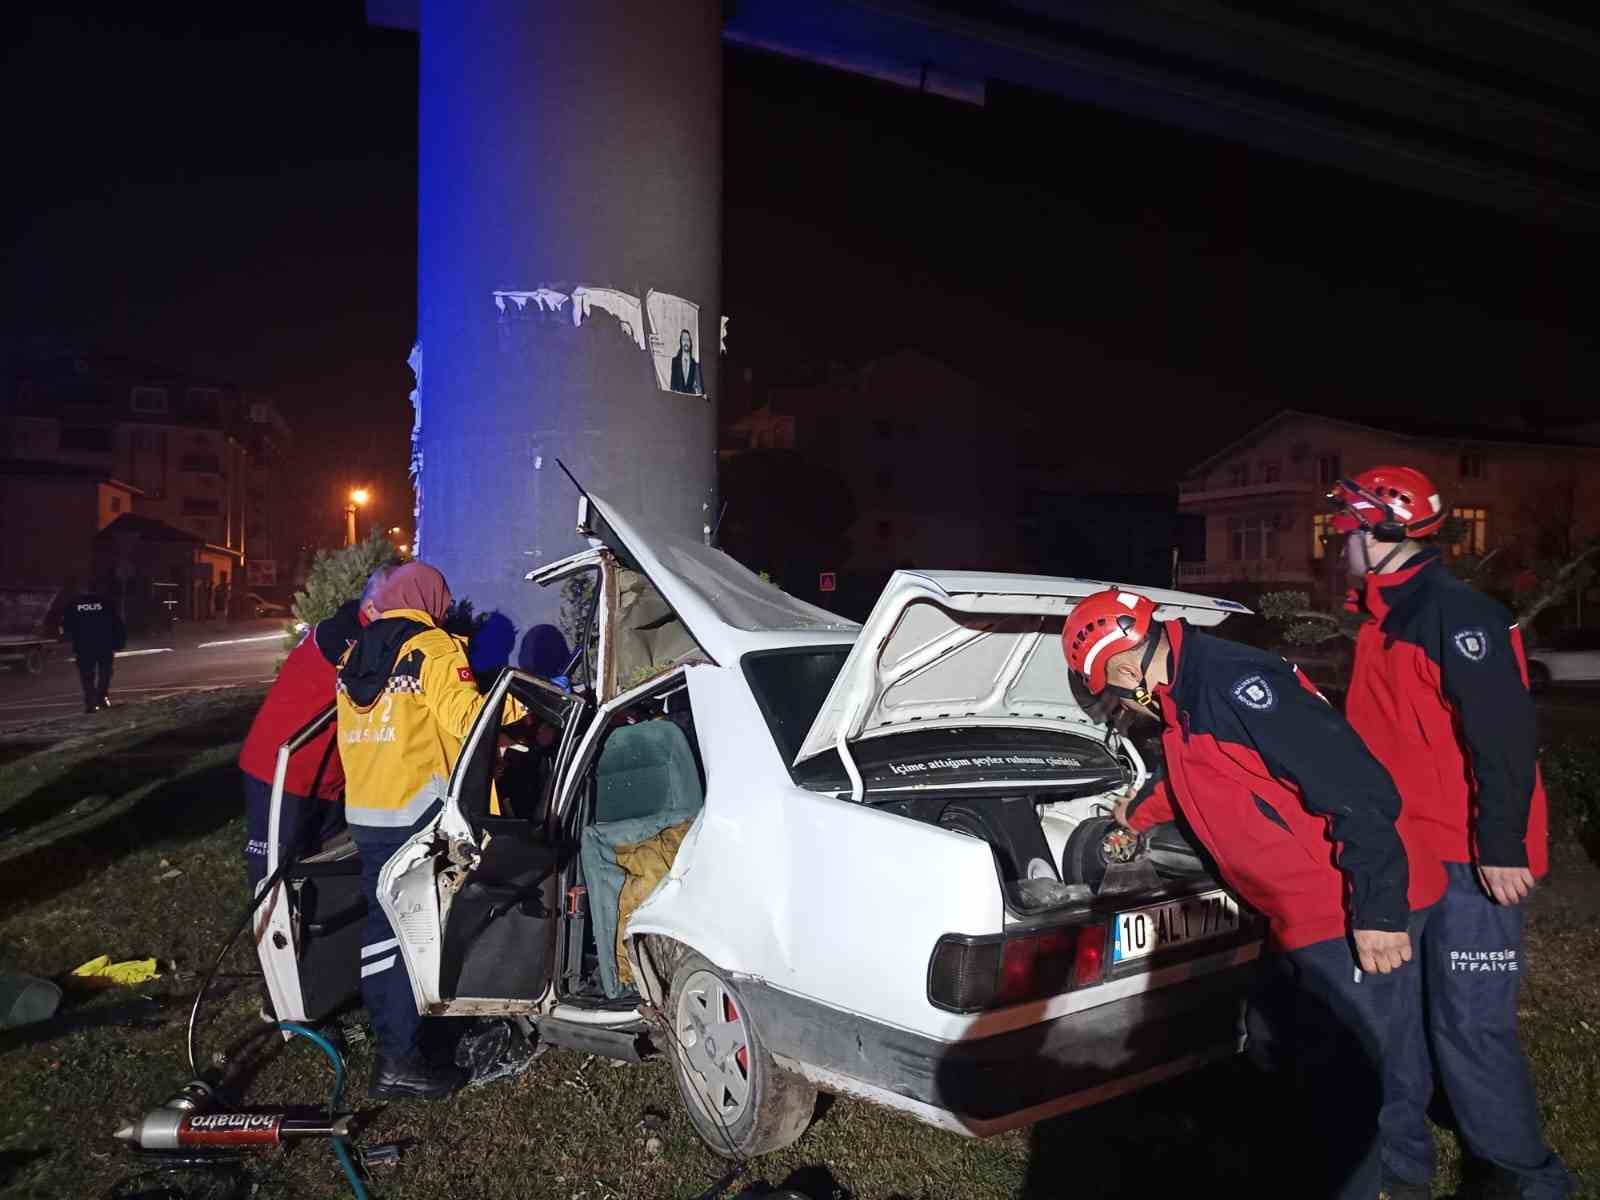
100,972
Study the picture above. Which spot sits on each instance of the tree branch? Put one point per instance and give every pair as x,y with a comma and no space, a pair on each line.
1559,586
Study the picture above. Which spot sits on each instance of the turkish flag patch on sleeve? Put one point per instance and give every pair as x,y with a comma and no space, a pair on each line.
466,675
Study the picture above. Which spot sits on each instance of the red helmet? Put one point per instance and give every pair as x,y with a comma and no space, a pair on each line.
1103,625
1395,503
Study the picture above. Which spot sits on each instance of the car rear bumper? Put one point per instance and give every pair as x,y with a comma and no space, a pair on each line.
989,1084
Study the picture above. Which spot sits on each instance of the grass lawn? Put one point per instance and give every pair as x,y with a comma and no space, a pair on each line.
89,826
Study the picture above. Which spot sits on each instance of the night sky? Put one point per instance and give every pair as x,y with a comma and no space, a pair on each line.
234,190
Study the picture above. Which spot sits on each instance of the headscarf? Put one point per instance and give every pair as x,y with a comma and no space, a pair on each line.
415,585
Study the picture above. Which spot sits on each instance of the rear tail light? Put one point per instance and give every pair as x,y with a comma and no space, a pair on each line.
968,974
1089,959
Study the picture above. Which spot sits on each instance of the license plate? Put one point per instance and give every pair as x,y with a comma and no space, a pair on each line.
1141,932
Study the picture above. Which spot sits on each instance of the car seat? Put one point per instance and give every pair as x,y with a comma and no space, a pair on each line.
645,781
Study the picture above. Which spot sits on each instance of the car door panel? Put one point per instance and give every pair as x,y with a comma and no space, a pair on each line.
499,940
474,896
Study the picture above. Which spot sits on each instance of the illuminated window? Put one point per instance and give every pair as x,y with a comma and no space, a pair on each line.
1253,538
1319,535
1475,539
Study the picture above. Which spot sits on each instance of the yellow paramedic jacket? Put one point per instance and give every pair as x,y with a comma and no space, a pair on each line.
406,699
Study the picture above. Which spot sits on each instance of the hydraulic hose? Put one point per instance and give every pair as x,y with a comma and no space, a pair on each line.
340,1150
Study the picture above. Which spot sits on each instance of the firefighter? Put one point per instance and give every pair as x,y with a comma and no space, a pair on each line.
310,812
96,632
406,699
1439,692
1300,821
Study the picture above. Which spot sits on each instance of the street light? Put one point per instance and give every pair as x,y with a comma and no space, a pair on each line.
358,497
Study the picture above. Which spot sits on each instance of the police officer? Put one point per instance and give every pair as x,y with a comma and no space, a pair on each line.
96,632
1298,817
406,698
1439,693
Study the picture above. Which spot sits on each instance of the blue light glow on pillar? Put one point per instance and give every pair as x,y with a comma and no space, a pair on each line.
569,265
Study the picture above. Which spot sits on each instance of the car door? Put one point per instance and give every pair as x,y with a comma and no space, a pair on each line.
473,895
293,917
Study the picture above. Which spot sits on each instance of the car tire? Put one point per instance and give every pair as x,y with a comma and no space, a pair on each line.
1082,858
740,1104
1538,676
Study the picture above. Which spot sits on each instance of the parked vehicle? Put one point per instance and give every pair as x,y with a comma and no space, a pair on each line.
891,870
259,606
26,638
1571,657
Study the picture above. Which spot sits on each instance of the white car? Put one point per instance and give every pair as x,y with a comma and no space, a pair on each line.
896,880
262,607
1571,657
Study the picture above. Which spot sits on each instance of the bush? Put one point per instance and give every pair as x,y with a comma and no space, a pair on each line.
1572,775
340,575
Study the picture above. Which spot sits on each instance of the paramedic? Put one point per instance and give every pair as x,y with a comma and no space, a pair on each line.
406,699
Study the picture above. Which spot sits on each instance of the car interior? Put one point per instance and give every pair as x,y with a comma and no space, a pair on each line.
641,789
646,785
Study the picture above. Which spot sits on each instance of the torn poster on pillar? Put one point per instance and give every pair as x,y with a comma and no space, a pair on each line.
674,328
623,307
414,361
543,299
675,343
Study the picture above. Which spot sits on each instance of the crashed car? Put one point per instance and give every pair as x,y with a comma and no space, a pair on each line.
796,854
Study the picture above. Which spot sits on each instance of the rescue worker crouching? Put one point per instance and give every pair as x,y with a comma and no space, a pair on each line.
406,699
1439,693
1298,817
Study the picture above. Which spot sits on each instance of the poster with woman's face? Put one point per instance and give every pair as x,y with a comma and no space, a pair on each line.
675,343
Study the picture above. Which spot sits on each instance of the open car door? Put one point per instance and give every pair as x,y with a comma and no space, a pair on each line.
473,895
308,930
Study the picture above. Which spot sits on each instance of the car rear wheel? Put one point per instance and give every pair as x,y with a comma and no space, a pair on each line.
1538,676
740,1102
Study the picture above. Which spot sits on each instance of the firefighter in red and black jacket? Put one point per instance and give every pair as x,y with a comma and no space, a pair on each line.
1300,820
1439,693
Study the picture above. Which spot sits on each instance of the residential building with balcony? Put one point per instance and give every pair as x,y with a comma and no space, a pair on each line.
198,456
1522,496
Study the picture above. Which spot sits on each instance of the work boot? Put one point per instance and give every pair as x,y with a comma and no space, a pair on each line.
413,1078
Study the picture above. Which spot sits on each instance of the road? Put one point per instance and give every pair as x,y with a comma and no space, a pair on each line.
186,661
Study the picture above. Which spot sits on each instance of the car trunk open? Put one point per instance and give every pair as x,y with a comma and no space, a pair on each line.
954,707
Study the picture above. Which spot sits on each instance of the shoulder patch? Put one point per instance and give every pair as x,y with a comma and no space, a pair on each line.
465,675
1472,643
1254,692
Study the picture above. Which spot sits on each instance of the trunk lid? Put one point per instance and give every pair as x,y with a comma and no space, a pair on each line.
949,649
